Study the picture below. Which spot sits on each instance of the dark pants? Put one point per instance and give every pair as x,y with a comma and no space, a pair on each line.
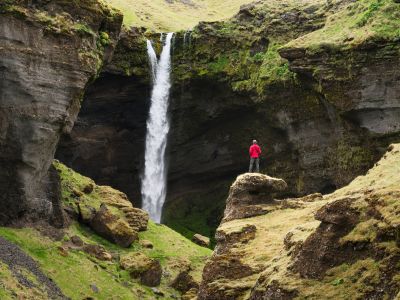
257,161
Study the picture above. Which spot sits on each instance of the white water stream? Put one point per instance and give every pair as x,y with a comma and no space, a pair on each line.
154,178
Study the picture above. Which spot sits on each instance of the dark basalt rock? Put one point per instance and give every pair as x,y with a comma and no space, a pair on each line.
184,282
108,139
43,73
152,276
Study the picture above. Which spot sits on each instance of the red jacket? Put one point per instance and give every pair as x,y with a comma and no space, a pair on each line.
255,151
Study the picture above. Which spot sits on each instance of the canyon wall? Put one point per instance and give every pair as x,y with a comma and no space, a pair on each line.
323,106
107,142
50,50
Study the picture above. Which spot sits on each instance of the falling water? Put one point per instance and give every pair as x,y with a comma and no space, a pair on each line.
154,179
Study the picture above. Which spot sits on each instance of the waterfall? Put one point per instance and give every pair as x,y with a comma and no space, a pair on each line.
154,177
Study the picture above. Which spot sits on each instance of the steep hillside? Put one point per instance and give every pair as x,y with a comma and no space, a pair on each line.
80,264
175,15
341,246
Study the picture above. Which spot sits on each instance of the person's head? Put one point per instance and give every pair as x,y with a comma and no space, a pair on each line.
254,141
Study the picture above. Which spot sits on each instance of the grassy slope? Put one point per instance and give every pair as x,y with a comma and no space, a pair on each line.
76,272
159,15
347,281
354,24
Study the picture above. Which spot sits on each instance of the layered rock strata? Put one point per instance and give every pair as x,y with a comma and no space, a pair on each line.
50,50
107,142
322,111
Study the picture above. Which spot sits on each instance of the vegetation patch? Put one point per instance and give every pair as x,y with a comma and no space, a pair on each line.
355,24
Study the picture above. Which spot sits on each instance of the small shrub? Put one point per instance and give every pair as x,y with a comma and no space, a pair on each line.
104,39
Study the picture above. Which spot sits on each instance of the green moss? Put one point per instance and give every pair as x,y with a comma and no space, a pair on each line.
345,156
73,186
74,273
274,68
83,29
368,14
219,65
11,288
365,231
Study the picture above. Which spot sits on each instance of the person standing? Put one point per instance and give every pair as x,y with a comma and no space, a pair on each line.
254,152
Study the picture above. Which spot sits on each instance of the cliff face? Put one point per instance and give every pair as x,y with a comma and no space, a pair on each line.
50,50
342,245
322,117
107,142
323,105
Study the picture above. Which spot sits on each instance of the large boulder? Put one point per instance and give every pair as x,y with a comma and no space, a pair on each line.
112,227
141,266
201,240
184,282
248,194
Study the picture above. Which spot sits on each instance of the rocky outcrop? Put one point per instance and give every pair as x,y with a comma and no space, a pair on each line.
139,265
50,50
113,228
248,194
107,211
332,247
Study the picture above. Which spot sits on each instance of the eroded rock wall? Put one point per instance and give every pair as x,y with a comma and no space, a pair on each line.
322,114
108,139
50,50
